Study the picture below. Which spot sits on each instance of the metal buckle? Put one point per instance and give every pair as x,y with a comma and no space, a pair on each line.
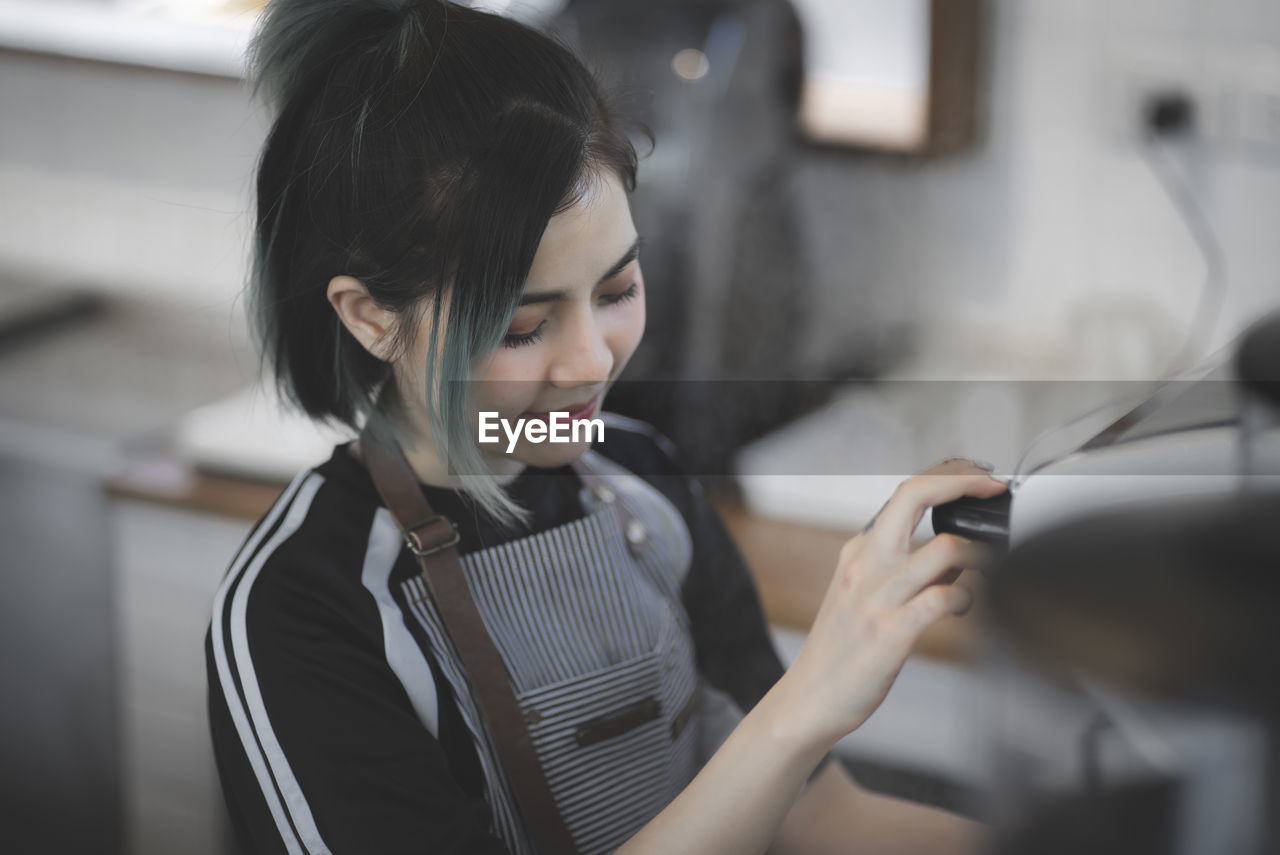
415,546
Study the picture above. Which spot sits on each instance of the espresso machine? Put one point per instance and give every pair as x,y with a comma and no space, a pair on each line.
1135,647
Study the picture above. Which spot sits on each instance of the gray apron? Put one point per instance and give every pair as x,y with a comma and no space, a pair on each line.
588,620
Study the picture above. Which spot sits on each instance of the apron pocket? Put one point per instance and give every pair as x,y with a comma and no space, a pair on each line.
616,724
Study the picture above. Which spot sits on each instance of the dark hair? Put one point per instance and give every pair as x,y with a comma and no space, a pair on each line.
420,147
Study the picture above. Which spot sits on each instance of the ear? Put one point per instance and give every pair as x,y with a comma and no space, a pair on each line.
365,319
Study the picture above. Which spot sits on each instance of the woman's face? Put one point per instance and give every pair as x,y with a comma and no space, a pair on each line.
581,317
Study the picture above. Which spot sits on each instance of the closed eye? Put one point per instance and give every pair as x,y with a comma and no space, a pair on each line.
517,340
622,297
535,335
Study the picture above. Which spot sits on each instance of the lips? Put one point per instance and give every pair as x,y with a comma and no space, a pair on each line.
575,411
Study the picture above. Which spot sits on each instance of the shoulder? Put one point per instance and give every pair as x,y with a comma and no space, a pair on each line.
301,565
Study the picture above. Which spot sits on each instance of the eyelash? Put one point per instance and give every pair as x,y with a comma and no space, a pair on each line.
535,335
624,296
524,338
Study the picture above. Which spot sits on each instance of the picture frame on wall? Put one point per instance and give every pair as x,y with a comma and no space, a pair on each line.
899,76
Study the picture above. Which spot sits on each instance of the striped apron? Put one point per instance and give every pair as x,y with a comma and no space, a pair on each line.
588,620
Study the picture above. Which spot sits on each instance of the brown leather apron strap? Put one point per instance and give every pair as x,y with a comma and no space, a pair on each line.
433,538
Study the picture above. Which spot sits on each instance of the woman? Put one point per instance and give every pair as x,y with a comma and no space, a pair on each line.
443,230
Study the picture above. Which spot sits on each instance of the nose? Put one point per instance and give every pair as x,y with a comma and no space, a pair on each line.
583,357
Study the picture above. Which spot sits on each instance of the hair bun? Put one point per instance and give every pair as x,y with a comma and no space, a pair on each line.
297,38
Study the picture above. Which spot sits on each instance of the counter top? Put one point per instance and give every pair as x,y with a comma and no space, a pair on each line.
212,43
173,484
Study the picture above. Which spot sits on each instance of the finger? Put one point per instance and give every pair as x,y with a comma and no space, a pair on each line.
941,468
937,562
943,483
931,605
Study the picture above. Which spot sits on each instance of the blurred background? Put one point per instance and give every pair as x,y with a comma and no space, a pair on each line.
933,226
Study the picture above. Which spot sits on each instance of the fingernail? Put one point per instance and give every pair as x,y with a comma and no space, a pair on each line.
982,464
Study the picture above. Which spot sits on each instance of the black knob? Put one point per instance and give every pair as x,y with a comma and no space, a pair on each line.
986,520
1258,360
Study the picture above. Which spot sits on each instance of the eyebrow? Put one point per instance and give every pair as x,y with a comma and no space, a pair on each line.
555,296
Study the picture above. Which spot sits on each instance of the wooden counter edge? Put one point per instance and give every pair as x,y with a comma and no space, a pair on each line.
193,490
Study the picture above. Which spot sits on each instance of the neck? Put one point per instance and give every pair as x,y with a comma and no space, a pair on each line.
429,470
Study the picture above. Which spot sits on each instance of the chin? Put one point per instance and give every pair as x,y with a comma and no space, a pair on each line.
549,455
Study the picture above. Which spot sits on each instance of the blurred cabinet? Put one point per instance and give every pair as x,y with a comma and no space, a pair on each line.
169,562
78,400
59,789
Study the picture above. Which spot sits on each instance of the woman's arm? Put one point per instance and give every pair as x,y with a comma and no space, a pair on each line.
837,815
881,597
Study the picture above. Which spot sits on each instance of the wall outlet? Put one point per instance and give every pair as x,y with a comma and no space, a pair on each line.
1131,84
1235,99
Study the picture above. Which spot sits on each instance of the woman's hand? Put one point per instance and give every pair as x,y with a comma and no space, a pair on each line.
881,598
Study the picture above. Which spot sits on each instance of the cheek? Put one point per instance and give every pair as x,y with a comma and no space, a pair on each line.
510,384
629,329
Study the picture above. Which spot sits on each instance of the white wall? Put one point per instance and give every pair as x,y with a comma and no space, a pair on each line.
1053,251
131,179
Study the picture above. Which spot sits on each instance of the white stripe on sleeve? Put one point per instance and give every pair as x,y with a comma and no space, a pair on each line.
230,693
403,653
289,790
